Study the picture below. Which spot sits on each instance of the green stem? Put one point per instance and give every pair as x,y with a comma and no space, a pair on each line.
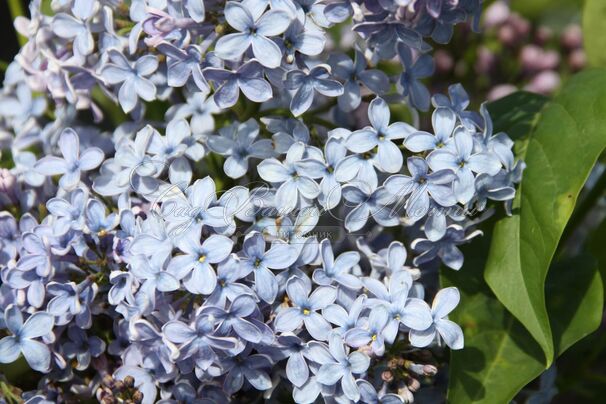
320,121
17,10
3,65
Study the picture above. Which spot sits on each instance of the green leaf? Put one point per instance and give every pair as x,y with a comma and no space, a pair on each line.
565,144
594,15
517,113
500,356
575,298
538,8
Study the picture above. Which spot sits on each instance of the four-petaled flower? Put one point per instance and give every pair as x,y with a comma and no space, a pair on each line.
343,367
72,163
132,77
380,135
36,353
305,307
255,26
305,84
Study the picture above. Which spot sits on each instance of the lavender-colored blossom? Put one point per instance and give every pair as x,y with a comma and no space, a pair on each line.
71,301
77,27
204,284
344,319
198,340
337,270
73,162
9,237
183,64
39,246
444,302
343,368
132,78
305,307
372,334
422,186
298,38
254,27
368,202
230,274
444,248
369,395
412,312
154,278
97,221
462,160
306,84
444,121
457,101
194,267
252,368
291,175
239,143
355,73
248,78
186,216
23,106
410,79
82,347
381,135
260,262
234,318
69,215
22,340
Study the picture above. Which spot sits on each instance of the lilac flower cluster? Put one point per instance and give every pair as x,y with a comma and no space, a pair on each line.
236,245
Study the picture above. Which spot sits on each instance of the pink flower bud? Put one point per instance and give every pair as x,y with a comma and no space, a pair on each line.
543,35
501,91
485,61
572,37
577,59
496,14
545,82
444,61
534,59
7,181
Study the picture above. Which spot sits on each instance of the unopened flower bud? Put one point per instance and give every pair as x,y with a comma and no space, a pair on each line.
413,384
572,37
406,395
129,381
543,35
577,59
496,14
421,370
387,376
430,370
137,396
8,194
534,59
501,91
485,61
444,61
544,83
